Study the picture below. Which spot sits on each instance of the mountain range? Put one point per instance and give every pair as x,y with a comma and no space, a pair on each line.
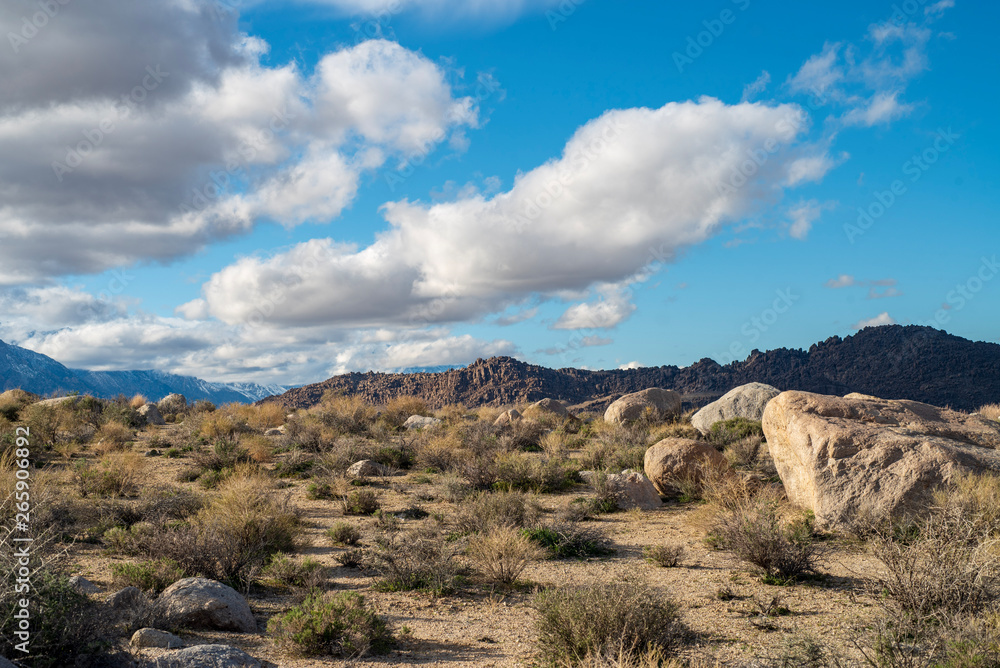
40,374
893,362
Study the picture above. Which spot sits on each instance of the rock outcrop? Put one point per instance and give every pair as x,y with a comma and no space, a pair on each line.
843,456
152,415
746,401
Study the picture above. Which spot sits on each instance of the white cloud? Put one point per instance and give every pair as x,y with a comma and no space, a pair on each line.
938,8
803,215
881,319
208,142
820,73
662,175
883,108
758,86
447,10
613,307
630,365
842,281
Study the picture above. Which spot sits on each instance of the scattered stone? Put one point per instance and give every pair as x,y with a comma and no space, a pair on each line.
172,403
200,603
152,415
144,638
550,406
421,422
841,457
658,404
129,597
746,401
207,656
83,585
679,458
507,417
366,468
276,431
153,453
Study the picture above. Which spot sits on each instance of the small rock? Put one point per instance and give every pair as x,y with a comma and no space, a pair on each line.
83,585
152,415
678,458
550,406
155,638
421,422
207,656
200,603
276,431
126,598
366,468
153,453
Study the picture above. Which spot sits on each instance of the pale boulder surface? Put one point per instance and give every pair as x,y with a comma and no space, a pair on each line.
661,404
421,422
507,418
746,401
547,406
152,415
207,656
676,458
843,456
199,603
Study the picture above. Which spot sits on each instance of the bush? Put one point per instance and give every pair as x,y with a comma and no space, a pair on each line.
343,533
12,402
990,412
117,475
667,556
626,617
399,409
150,576
756,534
503,553
345,415
283,570
122,412
743,452
483,511
338,624
418,559
569,541
724,432
223,424
361,502
113,437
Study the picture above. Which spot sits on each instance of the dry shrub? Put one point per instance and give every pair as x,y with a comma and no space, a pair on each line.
12,402
667,556
482,511
990,412
343,533
758,534
345,414
343,451
625,618
421,559
258,448
260,417
399,409
361,502
118,474
524,434
489,414
616,448
452,412
503,553
43,422
332,624
113,437
138,401
531,473
436,454
743,452
224,423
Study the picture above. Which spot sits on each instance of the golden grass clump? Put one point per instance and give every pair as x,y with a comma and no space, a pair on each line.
113,437
12,402
503,552
223,423
990,412
138,401
258,447
398,409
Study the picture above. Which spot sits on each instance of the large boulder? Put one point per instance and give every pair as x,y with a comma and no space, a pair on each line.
547,407
746,401
199,603
507,418
675,459
152,415
173,403
207,656
421,422
656,403
843,456
631,489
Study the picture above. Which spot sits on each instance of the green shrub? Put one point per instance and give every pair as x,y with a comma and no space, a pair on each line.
361,502
150,576
343,533
527,473
285,571
734,429
756,534
337,624
624,618
569,541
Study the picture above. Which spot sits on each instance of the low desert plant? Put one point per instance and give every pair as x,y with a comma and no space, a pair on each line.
667,556
345,414
483,511
503,553
757,534
118,474
624,617
421,559
285,571
990,412
338,624
361,502
743,452
151,576
724,432
343,533
530,473
113,437
569,541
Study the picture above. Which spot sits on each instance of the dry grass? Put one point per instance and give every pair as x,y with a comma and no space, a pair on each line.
138,401
503,553
113,437
224,423
258,447
991,411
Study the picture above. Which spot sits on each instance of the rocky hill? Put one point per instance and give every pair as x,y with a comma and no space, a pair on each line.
893,362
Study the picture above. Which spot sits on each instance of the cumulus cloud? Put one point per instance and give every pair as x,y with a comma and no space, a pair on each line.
627,183
148,148
803,215
881,319
883,108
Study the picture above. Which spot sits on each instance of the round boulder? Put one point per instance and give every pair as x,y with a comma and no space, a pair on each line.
548,407
507,417
660,405
152,415
746,401
207,656
147,637
199,603
367,468
675,459
172,403
421,422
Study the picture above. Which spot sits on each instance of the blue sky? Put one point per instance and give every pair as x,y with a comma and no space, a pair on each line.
424,182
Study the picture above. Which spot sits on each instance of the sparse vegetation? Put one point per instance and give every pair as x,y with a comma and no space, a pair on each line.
337,624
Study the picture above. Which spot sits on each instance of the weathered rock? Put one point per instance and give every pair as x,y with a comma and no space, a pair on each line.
858,395
421,422
656,403
83,585
679,458
366,468
200,603
746,401
207,656
57,402
152,415
276,431
147,637
128,597
631,489
549,407
507,417
172,403
153,453
840,456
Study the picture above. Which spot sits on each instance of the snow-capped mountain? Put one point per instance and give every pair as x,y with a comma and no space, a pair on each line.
34,372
